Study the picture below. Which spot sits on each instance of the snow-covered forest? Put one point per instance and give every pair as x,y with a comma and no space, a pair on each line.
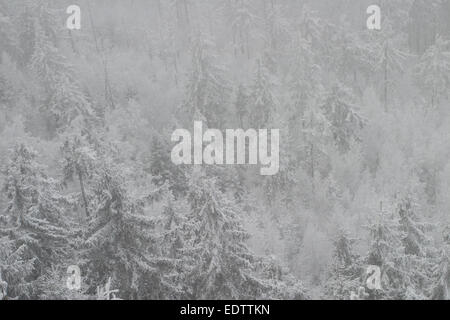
87,180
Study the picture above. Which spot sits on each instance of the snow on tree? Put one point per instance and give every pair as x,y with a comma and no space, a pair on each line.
11,92
8,44
418,249
346,271
120,241
344,119
241,19
422,35
433,71
401,249
310,26
63,98
26,30
241,105
385,252
163,170
390,59
78,163
355,59
220,264
15,269
415,230
262,100
310,131
36,212
276,26
441,289
304,79
53,284
208,90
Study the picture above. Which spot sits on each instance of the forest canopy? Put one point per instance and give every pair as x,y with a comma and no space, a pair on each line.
85,150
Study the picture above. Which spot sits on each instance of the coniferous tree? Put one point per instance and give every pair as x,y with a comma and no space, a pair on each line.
163,170
242,22
63,100
347,269
78,163
441,288
390,59
262,101
344,120
121,242
208,91
15,270
418,250
8,42
433,71
37,223
385,252
220,264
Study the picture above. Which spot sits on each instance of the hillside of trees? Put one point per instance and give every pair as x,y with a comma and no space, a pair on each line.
86,177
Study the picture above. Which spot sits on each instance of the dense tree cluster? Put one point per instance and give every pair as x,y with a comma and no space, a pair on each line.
86,177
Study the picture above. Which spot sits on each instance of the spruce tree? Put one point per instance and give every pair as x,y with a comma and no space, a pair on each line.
344,119
347,269
62,100
15,269
36,212
220,264
208,90
262,101
121,243
433,72
78,163
419,252
163,170
386,252
441,288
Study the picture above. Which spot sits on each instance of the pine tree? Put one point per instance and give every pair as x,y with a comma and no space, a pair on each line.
276,26
401,249
8,36
347,269
433,71
419,251
121,242
26,31
390,59
78,163
422,35
441,290
343,117
15,269
304,89
262,101
10,90
386,251
36,212
163,170
242,20
241,105
63,100
220,264
208,90
356,59
311,27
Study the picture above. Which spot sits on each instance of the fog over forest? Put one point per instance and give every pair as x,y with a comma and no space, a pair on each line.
93,205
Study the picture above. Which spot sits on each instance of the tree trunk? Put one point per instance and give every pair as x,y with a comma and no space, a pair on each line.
313,170
386,77
72,43
83,194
